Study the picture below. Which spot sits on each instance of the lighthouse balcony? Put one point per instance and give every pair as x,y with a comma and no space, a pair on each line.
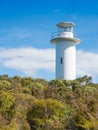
62,36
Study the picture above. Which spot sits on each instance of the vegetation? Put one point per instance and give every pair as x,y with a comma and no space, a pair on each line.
37,104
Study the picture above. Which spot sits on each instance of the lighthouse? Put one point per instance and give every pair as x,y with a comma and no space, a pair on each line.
65,43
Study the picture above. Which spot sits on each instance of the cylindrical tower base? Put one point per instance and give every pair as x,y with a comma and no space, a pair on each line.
66,60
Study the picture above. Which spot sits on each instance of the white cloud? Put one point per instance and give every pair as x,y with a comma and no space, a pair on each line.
31,60
87,63
28,60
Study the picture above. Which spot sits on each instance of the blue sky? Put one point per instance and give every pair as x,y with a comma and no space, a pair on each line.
25,29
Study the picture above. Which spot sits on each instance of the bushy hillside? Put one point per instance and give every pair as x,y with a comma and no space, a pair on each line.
37,104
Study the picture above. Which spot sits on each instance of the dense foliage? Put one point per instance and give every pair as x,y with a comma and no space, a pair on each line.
37,104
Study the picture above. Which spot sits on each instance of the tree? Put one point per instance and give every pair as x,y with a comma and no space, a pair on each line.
47,114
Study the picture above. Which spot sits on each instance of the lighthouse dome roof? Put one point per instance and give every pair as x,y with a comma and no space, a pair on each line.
65,25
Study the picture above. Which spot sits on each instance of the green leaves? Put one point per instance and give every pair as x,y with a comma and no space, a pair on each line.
37,90
7,103
5,85
47,114
37,104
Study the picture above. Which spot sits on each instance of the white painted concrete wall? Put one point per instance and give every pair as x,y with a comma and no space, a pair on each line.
66,70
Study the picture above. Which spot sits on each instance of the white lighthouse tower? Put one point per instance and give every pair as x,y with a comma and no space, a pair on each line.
65,51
